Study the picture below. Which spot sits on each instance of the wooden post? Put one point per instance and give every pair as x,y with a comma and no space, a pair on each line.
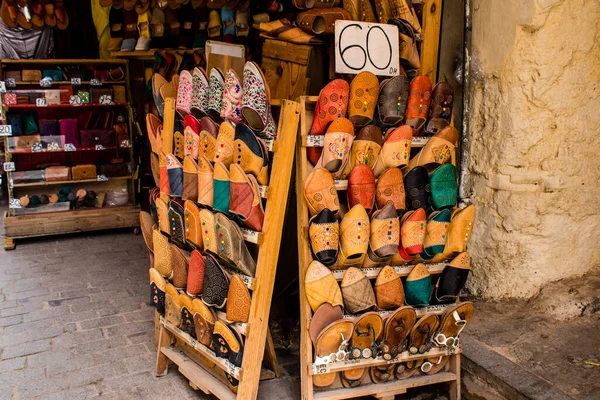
162,362
455,385
431,26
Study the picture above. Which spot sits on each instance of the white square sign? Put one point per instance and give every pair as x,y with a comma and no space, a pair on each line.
365,46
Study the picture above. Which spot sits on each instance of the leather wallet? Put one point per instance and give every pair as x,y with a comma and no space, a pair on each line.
58,173
48,127
97,93
114,169
31,75
84,171
70,131
93,137
54,74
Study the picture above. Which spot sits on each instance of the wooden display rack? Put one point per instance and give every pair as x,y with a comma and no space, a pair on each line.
308,368
27,223
197,362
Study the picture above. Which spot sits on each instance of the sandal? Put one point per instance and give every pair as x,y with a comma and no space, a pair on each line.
421,333
434,365
322,317
396,329
331,346
453,321
367,334
283,29
381,373
405,370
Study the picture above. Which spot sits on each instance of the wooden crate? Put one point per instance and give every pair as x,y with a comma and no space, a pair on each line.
197,362
307,368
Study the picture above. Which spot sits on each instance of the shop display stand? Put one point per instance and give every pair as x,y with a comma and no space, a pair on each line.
308,368
25,223
197,362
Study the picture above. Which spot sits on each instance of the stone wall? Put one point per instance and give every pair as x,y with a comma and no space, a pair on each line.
535,143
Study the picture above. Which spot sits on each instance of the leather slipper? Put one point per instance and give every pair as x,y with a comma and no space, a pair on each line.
321,286
390,189
436,233
418,190
157,290
216,283
245,200
200,93
250,154
221,188
225,144
154,125
193,230
180,260
392,101
209,237
162,210
205,181
172,305
195,278
368,330
453,321
238,300
204,322
395,151
332,104
337,145
440,149
434,365
421,334
354,237
364,90
147,225
176,218
460,230
320,192
24,15
366,147
323,316
361,187
256,97
324,234
388,289
165,188
418,103
225,342
162,254
357,291
231,107
158,81
453,279
178,141
216,85
402,257
231,247
385,232
190,179
331,344
283,29
440,113
184,94
208,137
396,329
444,186
187,315
417,288
175,175
9,13
321,21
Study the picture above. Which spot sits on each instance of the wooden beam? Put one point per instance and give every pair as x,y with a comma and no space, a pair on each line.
432,22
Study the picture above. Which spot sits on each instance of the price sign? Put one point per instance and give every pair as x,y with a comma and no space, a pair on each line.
37,147
95,82
14,203
39,102
5,130
363,46
11,82
9,166
69,147
46,82
102,178
75,81
99,147
2,86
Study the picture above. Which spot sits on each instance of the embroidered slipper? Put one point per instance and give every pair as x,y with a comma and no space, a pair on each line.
174,175
184,94
402,257
162,209
390,189
366,147
444,186
453,321
200,93
205,182
204,322
418,103
368,330
364,90
460,230
238,300
179,263
357,291
283,29
440,149
209,236
385,233
178,141
190,179
320,192
436,233
331,343
231,247
193,230
162,254
225,144
172,305
324,234
323,316
395,331
381,373
187,315
208,131
321,286
245,200
453,279
361,187
395,151
256,97
412,231
231,107
157,290
216,283
417,288
421,334
332,104
388,289
440,113
321,21
418,190
392,102
221,188
336,148
176,222
195,278
216,86
154,125
147,225
251,154
406,370
354,237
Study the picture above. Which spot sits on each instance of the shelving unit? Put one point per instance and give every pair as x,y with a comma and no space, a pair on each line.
308,368
61,218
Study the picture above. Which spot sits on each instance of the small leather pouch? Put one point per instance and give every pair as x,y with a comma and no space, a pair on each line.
66,92
101,74
16,75
84,171
16,124
119,94
97,93
52,97
122,135
58,173
48,127
54,74
114,169
93,137
70,131
31,75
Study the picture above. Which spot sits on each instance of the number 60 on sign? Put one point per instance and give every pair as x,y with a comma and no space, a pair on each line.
364,46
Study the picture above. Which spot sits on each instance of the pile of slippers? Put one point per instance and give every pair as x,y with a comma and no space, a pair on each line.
34,14
77,199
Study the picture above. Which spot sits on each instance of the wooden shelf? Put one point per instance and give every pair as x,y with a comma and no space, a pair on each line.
421,311
402,270
67,151
18,83
30,106
69,182
64,61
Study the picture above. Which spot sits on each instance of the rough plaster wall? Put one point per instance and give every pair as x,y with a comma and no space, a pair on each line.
535,125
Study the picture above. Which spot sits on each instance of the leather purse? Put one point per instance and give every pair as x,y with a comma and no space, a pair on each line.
70,131
48,127
54,74
84,171
16,123
93,137
58,173
52,97
119,95
122,135
114,169
66,91
31,75
16,75
97,93
32,97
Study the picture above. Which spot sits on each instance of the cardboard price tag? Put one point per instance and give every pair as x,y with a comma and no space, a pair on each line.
39,102
70,147
3,85
5,130
9,166
95,82
75,81
102,178
364,46
99,147
14,203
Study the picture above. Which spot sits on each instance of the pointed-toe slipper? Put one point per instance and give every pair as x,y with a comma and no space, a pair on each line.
324,233
388,289
321,286
231,246
418,103
357,291
440,115
320,192
417,288
355,232
364,91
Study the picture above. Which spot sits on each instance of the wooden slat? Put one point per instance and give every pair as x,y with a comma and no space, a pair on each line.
298,54
421,311
402,270
432,17
63,61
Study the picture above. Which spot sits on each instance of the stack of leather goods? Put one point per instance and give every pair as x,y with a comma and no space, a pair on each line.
398,217
209,158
